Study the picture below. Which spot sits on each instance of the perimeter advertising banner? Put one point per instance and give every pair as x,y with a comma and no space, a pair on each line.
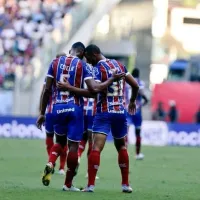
154,133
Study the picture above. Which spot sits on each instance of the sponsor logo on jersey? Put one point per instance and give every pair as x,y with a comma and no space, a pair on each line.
64,110
117,111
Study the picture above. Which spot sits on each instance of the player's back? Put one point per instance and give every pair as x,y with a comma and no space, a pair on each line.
112,99
68,108
75,71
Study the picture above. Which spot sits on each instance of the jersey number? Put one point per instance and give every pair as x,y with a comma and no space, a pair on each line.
62,76
116,89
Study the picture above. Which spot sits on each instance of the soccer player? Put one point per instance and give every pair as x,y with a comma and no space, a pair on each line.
68,109
50,130
136,119
110,109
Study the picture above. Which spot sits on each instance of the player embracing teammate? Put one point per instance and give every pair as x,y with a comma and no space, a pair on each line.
110,115
68,108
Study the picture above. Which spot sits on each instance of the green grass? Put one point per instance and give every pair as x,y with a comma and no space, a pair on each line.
167,173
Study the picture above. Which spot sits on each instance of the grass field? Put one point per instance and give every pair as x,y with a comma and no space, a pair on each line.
167,173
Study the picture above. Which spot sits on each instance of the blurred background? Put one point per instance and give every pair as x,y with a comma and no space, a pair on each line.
160,37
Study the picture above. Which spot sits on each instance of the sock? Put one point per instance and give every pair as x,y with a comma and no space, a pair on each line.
49,144
123,160
138,145
72,163
94,162
63,158
55,152
89,151
81,147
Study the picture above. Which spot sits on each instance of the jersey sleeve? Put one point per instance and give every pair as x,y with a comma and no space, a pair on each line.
124,68
126,71
97,73
87,72
50,71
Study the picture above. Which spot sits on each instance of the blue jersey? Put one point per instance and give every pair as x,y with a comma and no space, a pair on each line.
89,103
112,99
75,70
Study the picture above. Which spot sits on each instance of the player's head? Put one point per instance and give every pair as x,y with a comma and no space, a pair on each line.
172,103
93,54
60,54
77,49
136,73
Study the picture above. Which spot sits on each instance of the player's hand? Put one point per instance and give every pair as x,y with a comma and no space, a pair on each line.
132,107
64,86
40,121
117,76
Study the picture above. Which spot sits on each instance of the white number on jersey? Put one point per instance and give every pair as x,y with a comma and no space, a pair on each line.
116,89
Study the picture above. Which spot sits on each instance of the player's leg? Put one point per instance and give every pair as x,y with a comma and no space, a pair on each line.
63,158
119,132
49,132
84,140
72,166
74,135
55,152
129,123
138,123
101,127
94,160
90,120
59,146
82,144
90,138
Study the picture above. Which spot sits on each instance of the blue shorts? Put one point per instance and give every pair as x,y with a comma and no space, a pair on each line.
88,122
69,121
136,119
49,123
110,122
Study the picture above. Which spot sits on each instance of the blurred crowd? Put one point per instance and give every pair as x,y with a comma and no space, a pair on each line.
172,115
23,25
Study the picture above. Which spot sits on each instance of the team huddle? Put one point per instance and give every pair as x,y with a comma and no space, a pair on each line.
84,101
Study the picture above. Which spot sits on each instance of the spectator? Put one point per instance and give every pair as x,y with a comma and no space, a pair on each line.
159,113
173,112
25,25
197,116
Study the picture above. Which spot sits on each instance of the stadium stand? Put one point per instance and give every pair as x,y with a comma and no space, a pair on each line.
23,29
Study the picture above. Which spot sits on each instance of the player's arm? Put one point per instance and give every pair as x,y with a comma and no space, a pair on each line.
94,87
40,104
44,101
98,86
46,95
65,86
135,88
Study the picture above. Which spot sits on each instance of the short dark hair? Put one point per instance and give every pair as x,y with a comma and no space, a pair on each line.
136,73
92,49
78,45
